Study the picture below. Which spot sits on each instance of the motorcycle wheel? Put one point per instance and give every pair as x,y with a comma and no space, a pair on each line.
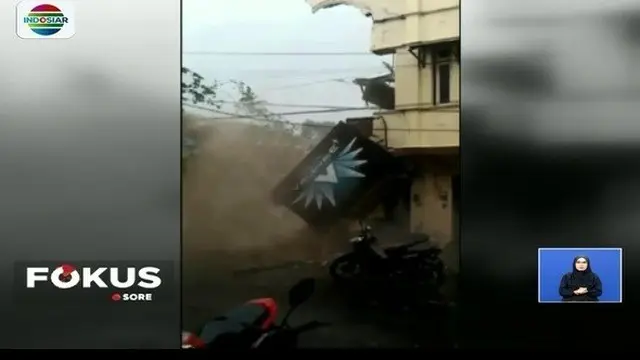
435,270
345,268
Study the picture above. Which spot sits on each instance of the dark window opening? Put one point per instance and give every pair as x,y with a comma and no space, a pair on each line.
444,83
444,54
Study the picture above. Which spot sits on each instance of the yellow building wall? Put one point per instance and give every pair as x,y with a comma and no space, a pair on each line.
415,22
414,84
419,128
431,213
417,121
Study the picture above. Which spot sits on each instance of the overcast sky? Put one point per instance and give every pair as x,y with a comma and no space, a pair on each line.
282,26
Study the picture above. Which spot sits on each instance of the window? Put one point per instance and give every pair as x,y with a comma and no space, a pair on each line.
444,83
444,56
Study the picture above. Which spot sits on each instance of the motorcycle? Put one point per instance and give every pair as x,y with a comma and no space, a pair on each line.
253,325
369,264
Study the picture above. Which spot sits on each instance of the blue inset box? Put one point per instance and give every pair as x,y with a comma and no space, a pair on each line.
580,275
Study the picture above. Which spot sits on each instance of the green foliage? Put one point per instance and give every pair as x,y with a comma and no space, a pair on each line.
197,92
249,104
247,95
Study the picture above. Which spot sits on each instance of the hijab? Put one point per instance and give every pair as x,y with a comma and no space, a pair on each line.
582,277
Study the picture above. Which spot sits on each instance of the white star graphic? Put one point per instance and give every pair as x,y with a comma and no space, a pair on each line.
344,165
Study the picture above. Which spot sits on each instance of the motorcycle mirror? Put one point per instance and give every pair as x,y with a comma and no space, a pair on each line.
301,292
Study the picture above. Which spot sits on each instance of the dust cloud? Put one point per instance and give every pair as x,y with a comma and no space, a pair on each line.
229,217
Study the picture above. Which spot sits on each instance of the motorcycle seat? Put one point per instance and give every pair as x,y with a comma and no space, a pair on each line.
238,320
414,239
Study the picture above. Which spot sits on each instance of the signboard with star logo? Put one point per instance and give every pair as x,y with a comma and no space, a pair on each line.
342,169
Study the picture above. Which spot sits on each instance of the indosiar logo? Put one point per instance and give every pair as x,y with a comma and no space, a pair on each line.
36,20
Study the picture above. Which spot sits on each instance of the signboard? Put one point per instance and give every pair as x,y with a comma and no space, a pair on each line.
335,176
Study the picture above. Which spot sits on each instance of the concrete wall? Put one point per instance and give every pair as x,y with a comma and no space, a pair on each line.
419,129
414,83
418,121
431,213
419,22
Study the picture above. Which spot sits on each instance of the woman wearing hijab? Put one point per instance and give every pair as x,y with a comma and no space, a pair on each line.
581,284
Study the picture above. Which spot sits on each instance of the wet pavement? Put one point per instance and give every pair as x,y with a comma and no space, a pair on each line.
210,288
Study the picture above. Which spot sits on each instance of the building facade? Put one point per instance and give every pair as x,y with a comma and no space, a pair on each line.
423,36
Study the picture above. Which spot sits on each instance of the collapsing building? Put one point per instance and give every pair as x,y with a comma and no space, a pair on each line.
415,134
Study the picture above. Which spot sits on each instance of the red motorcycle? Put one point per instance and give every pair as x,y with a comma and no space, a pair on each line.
253,325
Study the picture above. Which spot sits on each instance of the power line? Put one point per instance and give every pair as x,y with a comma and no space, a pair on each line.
327,70
316,69
311,83
294,74
303,106
289,113
235,53
231,116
